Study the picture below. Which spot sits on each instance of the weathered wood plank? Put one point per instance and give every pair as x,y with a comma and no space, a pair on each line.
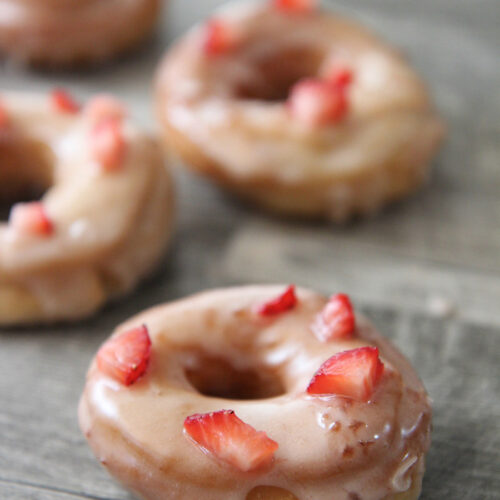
442,243
13,491
374,271
41,375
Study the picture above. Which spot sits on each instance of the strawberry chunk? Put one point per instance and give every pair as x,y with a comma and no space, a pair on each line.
316,103
4,116
125,357
296,6
340,76
104,107
336,320
284,302
108,145
31,219
353,374
218,38
225,436
63,102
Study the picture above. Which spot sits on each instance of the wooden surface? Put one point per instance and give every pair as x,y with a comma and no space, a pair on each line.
427,271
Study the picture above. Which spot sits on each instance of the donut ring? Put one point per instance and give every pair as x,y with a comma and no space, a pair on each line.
255,351
357,131
62,32
104,220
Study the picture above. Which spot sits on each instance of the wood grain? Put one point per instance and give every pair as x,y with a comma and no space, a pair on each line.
441,245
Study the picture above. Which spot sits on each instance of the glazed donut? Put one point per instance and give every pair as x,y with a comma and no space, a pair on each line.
62,32
105,216
297,110
256,393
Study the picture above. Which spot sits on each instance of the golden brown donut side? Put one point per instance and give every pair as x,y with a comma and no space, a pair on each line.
361,193
71,34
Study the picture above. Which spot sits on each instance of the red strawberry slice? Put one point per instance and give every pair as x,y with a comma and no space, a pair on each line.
316,102
125,357
219,38
31,219
4,116
108,145
353,374
336,320
340,75
228,438
284,302
104,107
63,102
296,6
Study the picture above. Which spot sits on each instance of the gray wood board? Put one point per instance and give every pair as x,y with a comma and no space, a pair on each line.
440,247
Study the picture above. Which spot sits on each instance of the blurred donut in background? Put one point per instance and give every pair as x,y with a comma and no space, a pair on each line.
73,32
297,110
91,206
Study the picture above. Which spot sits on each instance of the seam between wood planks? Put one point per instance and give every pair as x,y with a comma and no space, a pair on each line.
35,486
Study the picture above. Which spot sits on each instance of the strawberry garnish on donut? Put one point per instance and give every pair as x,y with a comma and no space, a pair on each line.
284,302
63,101
225,436
296,6
218,37
316,102
353,374
125,357
340,76
336,320
31,219
108,145
104,107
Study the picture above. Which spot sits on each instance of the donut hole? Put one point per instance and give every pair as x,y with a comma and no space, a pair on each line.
26,172
218,378
277,72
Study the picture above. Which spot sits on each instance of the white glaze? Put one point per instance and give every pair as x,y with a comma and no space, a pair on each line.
328,447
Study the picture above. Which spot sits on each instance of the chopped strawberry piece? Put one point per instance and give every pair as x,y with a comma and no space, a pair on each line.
108,145
353,374
316,102
340,75
31,219
336,320
228,438
63,102
4,116
125,357
104,107
296,6
284,302
219,38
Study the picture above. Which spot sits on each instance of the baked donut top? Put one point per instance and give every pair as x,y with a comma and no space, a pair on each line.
51,4
258,89
263,354
95,167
